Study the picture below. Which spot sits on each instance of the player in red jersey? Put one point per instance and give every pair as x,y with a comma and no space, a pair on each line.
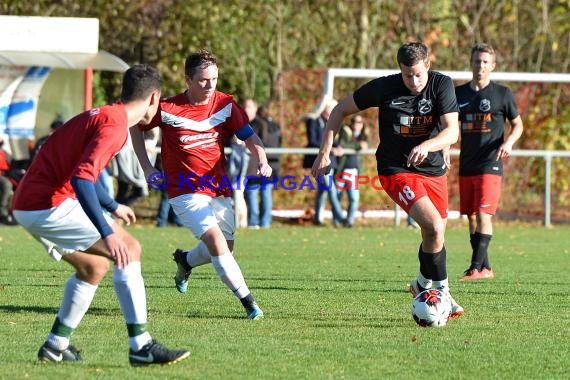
196,125
483,108
411,106
60,203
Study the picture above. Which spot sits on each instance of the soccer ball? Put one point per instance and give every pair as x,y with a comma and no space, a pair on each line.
431,308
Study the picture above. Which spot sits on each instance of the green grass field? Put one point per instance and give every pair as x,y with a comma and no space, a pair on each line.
334,302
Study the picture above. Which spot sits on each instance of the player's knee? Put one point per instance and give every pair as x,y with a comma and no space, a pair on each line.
135,249
439,229
439,226
215,241
435,230
484,219
93,272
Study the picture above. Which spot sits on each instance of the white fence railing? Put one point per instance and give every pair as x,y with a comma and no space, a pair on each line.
547,155
336,73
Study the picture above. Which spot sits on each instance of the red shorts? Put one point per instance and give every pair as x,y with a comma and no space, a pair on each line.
406,188
479,193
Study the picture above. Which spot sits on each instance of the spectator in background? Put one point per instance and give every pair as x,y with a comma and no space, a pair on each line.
483,108
237,162
412,224
6,187
259,191
325,182
353,136
106,181
165,212
131,181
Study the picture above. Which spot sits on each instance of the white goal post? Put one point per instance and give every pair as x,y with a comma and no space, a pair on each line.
333,73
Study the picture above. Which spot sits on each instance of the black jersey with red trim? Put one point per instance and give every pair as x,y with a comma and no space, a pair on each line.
482,116
405,120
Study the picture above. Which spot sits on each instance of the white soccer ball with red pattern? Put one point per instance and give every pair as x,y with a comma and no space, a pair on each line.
431,308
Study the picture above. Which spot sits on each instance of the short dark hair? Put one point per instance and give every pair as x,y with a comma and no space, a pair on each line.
411,53
199,59
139,81
482,48
56,124
263,111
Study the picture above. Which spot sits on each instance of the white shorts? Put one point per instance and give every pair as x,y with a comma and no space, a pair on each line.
200,212
63,229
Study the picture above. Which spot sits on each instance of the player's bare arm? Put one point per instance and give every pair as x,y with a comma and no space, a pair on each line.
255,146
516,132
447,156
344,108
139,146
448,136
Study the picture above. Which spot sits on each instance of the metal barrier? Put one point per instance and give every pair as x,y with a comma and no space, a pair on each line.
547,155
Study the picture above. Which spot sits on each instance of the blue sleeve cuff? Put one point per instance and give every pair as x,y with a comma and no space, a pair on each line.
245,132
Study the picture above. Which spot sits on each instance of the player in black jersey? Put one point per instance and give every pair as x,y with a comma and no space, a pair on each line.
418,117
483,108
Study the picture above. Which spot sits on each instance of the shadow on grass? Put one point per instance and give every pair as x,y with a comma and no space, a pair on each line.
314,321
13,309
377,323
42,269
201,315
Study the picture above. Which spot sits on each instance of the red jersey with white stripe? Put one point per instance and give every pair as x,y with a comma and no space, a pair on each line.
193,140
82,147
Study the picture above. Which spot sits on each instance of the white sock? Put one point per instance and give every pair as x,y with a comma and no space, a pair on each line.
230,274
58,342
77,297
130,290
129,286
442,285
425,283
199,255
139,341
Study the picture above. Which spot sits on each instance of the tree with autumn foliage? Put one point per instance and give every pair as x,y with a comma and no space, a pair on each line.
277,51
